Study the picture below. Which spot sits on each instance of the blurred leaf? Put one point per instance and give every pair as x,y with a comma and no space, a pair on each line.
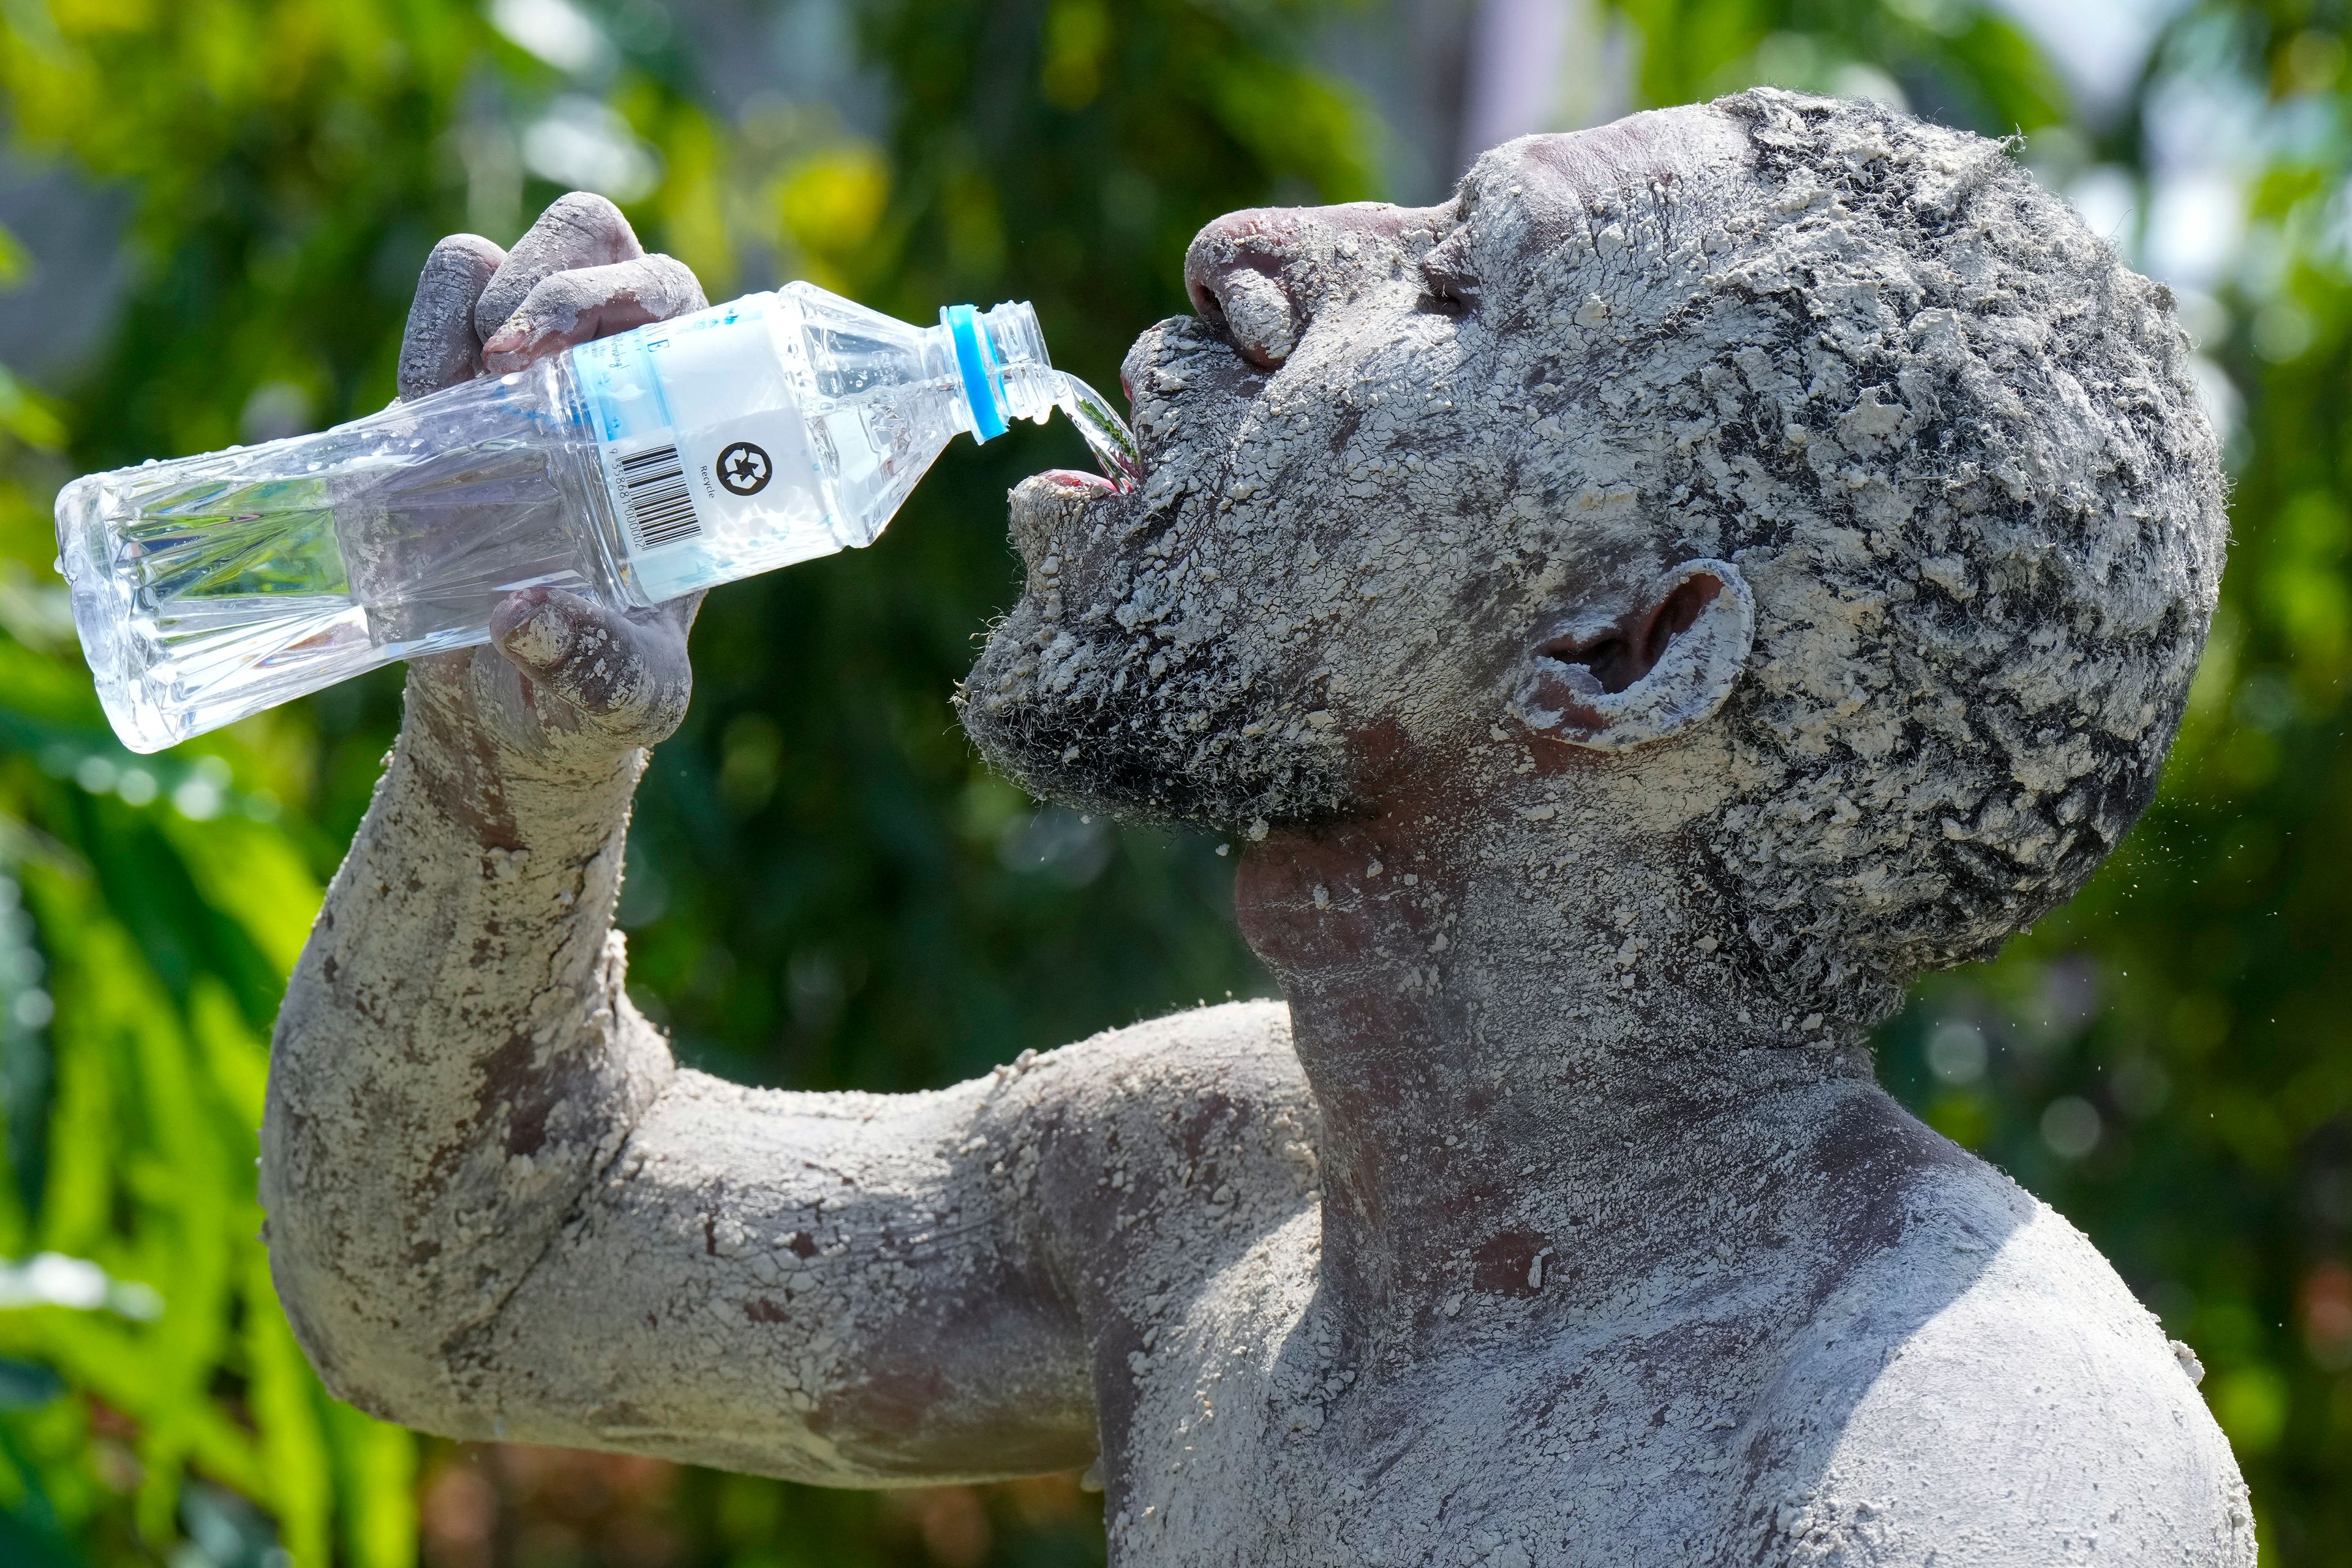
25,1386
831,204
23,1544
15,261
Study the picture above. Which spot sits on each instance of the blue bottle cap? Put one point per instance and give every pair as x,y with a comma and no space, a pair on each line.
974,361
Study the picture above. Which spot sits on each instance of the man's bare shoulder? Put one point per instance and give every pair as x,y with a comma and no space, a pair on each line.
1236,1046
1987,1391
1201,1118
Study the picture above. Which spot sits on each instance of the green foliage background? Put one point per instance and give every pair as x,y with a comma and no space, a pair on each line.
824,888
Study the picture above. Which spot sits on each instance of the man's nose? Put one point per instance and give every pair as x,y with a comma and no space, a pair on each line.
1260,274
1237,271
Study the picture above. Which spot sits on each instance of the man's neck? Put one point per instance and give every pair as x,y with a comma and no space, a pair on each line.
1535,1077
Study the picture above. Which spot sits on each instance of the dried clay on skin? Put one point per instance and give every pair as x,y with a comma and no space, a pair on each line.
1554,1217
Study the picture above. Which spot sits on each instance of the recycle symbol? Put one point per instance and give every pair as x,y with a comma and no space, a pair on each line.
744,469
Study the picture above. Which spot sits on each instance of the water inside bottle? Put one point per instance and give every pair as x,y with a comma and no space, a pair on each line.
214,586
422,542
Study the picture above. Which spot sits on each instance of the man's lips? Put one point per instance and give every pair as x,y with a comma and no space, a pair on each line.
1078,478
1048,506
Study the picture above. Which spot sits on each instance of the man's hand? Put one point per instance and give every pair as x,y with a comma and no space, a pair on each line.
564,680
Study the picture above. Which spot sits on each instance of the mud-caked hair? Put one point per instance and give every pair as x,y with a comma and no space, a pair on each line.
1955,446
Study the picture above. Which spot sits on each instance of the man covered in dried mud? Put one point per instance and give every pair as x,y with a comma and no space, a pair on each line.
1639,615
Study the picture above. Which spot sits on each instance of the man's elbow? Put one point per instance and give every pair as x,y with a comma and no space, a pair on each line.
377,1305
375,1348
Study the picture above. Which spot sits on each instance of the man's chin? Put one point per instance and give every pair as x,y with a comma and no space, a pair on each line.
1071,724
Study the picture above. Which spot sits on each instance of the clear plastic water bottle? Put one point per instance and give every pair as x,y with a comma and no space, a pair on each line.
633,469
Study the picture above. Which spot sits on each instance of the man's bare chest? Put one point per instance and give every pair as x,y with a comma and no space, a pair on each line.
1254,1432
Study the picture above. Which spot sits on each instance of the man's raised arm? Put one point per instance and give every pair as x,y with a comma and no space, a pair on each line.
497,1206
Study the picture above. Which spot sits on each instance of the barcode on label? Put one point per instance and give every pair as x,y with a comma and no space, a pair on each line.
661,512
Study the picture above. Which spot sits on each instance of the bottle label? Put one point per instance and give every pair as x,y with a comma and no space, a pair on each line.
704,449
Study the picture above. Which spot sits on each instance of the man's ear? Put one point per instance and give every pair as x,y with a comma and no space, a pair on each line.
1655,671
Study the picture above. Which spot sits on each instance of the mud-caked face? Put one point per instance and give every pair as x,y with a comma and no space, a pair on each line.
1379,462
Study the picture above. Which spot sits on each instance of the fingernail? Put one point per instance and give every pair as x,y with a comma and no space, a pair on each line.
506,341
541,639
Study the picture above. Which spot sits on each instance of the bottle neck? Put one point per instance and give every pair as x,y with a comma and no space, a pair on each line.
1001,365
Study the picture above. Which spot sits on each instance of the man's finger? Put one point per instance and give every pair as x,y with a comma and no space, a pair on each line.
627,676
575,231
577,307
441,348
